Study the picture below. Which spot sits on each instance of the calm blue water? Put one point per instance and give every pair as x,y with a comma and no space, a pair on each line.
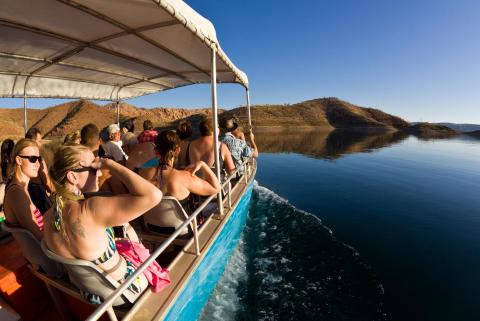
409,208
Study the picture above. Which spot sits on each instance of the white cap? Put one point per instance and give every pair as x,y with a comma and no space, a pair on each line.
113,128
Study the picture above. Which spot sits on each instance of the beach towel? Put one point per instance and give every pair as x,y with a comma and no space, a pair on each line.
136,253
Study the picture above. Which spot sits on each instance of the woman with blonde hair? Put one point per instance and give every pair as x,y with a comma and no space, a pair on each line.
72,138
19,209
81,228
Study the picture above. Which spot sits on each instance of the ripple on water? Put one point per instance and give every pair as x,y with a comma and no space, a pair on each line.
288,266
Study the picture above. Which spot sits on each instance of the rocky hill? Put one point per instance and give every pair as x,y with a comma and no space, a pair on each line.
62,119
324,113
428,130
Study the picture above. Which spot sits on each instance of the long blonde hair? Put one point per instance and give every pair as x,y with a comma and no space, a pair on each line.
66,158
19,147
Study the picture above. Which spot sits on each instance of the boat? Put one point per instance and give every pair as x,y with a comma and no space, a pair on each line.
116,50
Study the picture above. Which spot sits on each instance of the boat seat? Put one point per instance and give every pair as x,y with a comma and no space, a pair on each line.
32,251
90,278
168,215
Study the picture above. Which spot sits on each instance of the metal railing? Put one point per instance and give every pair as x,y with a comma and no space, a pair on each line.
107,305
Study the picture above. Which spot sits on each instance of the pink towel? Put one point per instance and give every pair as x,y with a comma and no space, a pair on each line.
136,253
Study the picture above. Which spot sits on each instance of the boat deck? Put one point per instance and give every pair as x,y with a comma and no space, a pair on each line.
154,306
18,285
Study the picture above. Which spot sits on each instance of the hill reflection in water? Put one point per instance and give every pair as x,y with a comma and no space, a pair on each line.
326,144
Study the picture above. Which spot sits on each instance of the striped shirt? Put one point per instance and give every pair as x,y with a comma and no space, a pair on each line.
238,148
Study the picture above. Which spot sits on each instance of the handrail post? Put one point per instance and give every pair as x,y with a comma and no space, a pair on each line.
245,173
229,194
248,109
195,237
111,314
215,125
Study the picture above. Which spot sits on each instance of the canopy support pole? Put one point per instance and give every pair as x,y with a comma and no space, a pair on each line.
215,125
25,122
25,126
118,112
248,109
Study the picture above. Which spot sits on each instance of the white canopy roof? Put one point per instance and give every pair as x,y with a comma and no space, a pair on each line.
106,49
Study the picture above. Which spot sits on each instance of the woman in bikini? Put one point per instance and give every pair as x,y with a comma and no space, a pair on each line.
179,183
18,206
79,228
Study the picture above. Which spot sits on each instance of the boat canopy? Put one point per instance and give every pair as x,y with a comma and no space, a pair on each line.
106,50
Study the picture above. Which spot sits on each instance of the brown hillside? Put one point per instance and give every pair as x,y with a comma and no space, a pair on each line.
62,119
324,112
428,131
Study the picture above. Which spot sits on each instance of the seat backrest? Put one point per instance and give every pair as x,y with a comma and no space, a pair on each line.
32,251
168,213
91,279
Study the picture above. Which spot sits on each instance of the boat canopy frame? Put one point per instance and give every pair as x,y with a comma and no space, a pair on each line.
107,50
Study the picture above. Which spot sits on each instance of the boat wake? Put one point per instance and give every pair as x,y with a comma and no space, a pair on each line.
289,266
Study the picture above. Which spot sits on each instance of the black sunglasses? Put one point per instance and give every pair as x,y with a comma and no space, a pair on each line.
31,159
91,170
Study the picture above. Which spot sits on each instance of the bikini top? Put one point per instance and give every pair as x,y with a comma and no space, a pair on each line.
58,225
110,251
36,213
187,203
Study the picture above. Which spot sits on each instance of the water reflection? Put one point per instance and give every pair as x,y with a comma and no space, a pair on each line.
326,144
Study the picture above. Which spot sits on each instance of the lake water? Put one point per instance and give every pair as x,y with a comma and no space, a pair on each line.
358,226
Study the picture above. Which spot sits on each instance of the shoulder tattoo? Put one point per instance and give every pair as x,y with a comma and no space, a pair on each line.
78,228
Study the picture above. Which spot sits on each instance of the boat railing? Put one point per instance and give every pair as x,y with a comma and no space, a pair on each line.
107,305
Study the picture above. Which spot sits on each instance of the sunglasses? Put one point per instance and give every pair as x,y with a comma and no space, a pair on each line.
91,170
31,159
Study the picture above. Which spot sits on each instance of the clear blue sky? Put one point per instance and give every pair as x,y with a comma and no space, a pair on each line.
419,60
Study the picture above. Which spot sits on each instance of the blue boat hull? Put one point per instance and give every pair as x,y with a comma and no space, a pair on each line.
198,289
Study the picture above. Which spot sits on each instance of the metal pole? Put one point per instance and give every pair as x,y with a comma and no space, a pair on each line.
248,109
195,236
118,113
25,126
215,125
25,122
229,194
111,314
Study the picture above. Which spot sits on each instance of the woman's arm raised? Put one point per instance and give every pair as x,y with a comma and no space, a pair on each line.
201,187
120,209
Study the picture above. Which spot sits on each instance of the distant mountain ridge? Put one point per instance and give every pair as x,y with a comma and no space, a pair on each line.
464,128
323,112
328,113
